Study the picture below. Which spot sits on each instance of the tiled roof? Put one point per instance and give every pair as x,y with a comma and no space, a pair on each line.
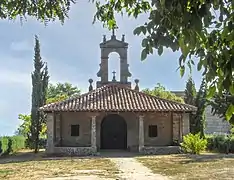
116,97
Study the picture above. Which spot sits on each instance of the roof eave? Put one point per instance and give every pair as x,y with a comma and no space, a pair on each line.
111,110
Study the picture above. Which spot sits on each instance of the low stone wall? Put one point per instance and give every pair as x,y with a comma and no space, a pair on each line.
75,151
162,150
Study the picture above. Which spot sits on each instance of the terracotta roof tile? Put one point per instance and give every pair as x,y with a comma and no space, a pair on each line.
116,97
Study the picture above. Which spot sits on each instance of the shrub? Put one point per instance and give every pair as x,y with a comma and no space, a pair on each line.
11,144
231,150
0,147
220,143
18,142
4,144
193,143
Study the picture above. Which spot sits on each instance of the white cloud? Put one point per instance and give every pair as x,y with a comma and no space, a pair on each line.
17,72
21,46
14,77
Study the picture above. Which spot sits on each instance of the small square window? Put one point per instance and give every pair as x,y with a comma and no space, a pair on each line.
153,131
75,130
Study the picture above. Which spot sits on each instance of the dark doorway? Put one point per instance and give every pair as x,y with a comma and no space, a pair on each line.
113,132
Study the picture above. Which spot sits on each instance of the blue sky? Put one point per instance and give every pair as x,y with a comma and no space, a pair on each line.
73,55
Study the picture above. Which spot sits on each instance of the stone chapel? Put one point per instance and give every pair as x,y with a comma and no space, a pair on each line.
115,115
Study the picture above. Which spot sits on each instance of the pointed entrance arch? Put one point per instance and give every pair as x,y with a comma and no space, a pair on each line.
113,132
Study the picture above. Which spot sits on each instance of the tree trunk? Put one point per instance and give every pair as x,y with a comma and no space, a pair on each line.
36,143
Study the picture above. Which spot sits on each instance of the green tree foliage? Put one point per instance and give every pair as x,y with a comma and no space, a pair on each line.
160,91
40,80
201,29
220,105
55,93
24,128
43,10
61,92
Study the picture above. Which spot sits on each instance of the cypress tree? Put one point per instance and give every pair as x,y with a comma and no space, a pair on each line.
201,104
40,80
190,98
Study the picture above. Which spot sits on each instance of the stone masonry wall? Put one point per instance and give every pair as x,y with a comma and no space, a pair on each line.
50,133
176,128
214,124
58,133
82,145
163,150
164,126
75,151
84,122
185,124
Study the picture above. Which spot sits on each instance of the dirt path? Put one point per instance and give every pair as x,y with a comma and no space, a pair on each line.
133,170
84,177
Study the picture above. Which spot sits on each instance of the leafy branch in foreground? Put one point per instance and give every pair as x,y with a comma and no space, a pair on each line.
201,30
43,10
220,105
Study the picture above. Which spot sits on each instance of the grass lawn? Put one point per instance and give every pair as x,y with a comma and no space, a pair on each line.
28,166
192,167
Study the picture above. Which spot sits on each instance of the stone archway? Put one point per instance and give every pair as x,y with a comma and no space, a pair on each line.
113,132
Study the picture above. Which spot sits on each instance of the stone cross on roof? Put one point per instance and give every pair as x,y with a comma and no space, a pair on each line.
113,31
114,77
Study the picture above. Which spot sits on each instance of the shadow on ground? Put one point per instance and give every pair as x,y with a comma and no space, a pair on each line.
205,157
41,156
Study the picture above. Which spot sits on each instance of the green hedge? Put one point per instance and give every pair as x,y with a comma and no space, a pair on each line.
11,144
220,143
